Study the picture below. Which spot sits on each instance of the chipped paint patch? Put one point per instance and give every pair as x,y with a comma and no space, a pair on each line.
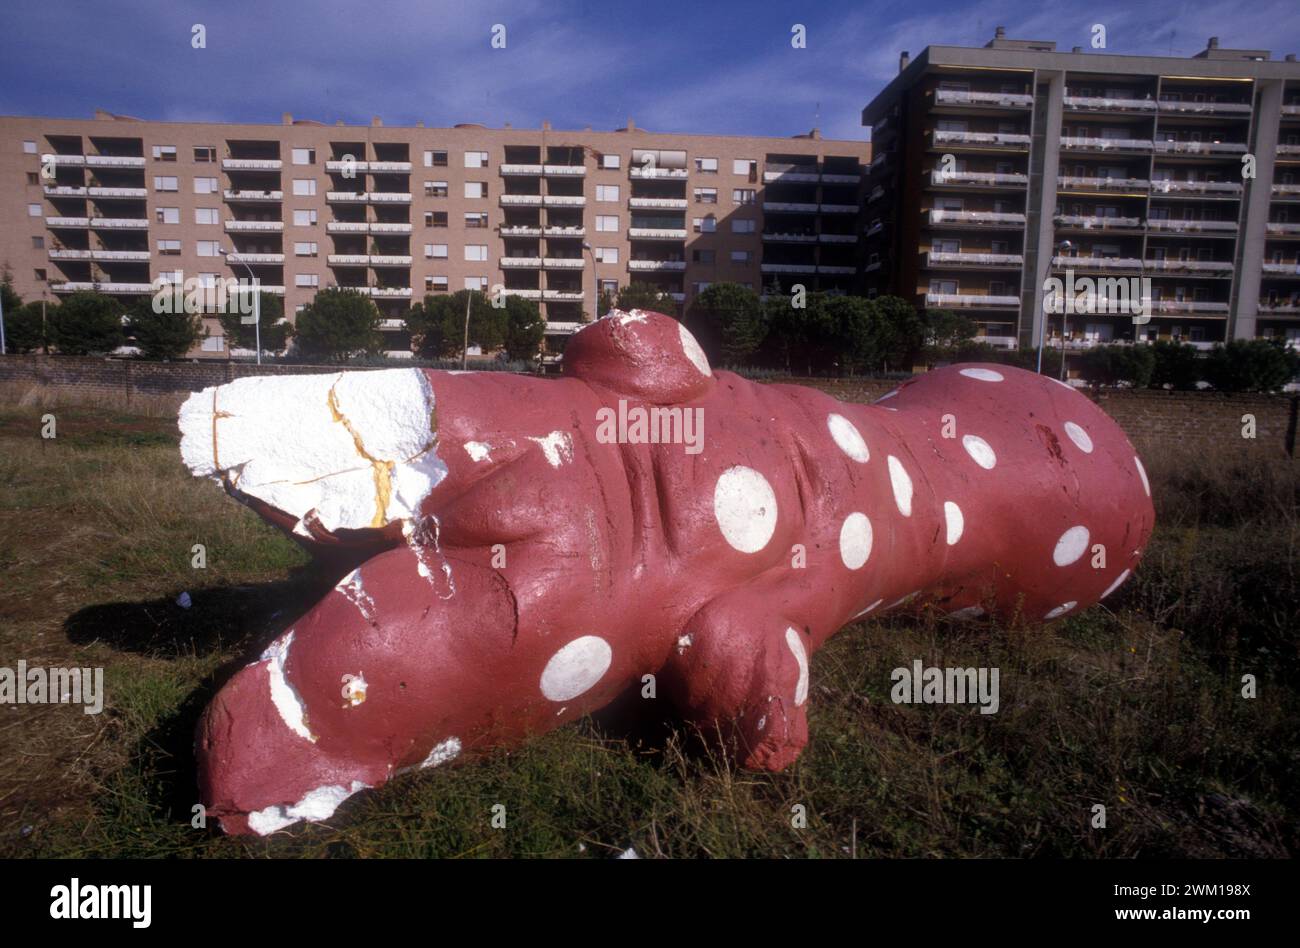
286,699
316,805
557,446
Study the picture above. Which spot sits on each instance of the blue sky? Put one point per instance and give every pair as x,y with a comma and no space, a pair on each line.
720,66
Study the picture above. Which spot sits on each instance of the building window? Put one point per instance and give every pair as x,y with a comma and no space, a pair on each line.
167,215
208,248
306,279
304,218
437,189
304,187
743,226
162,183
706,195
214,343
435,159
703,256
206,215
741,257
706,165
164,152
476,159
205,154
435,218
304,248
169,248
206,185
476,219
612,162
476,189
607,192
304,156
476,283
33,210
743,166
38,243
706,225
700,288
436,283
607,255
476,252
29,148
40,274
743,195
435,251
33,178
607,223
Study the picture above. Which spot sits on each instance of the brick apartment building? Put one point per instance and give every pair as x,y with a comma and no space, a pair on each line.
987,161
402,212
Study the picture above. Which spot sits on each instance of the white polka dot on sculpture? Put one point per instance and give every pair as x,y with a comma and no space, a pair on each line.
1071,546
1119,581
576,668
983,375
693,350
849,439
855,540
1060,610
980,451
1142,473
744,505
953,521
901,484
801,659
1080,437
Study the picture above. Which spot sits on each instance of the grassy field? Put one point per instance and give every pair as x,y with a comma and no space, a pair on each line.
1135,705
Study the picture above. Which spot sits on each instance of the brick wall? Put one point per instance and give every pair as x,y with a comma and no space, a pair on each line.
1149,417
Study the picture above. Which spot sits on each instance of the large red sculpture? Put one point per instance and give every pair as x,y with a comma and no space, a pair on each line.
526,552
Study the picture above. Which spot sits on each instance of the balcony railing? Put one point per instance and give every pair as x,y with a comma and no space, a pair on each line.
124,288
837,238
344,166
788,207
1190,266
1272,269
565,231
67,221
255,258
1168,186
120,223
835,268
57,254
1085,143
670,203
1201,148
1288,149
672,173
71,160
526,294
656,233
1183,227
134,194
347,227
777,237
1279,307
838,208
114,161
937,258
1205,108
1103,184
1000,139
263,227
565,200
985,178
521,230
565,171
656,264
788,268
799,173
1087,264
562,326
398,167
252,164
253,195
521,200
390,197
1278,228
390,260
940,216
1286,190
1006,100
1187,306
121,256
963,300
64,191
346,197
562,296
563,263
1094,103
517,169
828,178
1088,222
385,227
521,263
348,259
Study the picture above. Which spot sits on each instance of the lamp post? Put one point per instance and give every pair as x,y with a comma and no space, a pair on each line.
257,305
1042,332
595,282
2,324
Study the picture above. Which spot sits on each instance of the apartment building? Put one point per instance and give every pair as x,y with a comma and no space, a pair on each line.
115,203
996,168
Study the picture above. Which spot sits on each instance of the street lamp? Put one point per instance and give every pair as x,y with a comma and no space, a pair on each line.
595,282
1042,332
257,305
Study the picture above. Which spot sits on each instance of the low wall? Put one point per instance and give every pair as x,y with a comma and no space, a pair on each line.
1149,417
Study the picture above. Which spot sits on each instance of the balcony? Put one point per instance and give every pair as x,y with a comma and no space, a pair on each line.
989,179
788,268
1279,308
1094,264
132,194
1192,227
348,259
1201,148
1288,149
778,237
564,200
561,326
804,173
347,227
1080,143
523,294
255,258
1190,307
390,292
1000,100
254,227
343,167
521,263
837,238
1087,222
142,289
838,208
120,223
521,230
67,222
666,203
992,218
392,167
1192,267
562,296
1166,186
251,164
1092,103
669,173
121,256
521,200
528,170
969,300
57,254
390,197
70,160
1286,191
114,161
656,233
656,265
840,178
347,197
392,324
381,227
64,191
551,231
1205,108
1270,269
1279,229
935,258
564,171
563,263
788,207
390,260
1103,184
253,195
830,268
996,139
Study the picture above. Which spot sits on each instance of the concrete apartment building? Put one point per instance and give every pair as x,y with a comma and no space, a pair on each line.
402,212
987,161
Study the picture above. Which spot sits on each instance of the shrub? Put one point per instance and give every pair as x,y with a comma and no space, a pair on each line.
87,322
1252,365
163,335
337,325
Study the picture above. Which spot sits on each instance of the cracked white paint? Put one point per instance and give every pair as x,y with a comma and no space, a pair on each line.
478,450
351,588
286,699
557,446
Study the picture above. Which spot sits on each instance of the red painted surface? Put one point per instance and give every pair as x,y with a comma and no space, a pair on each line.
622,560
